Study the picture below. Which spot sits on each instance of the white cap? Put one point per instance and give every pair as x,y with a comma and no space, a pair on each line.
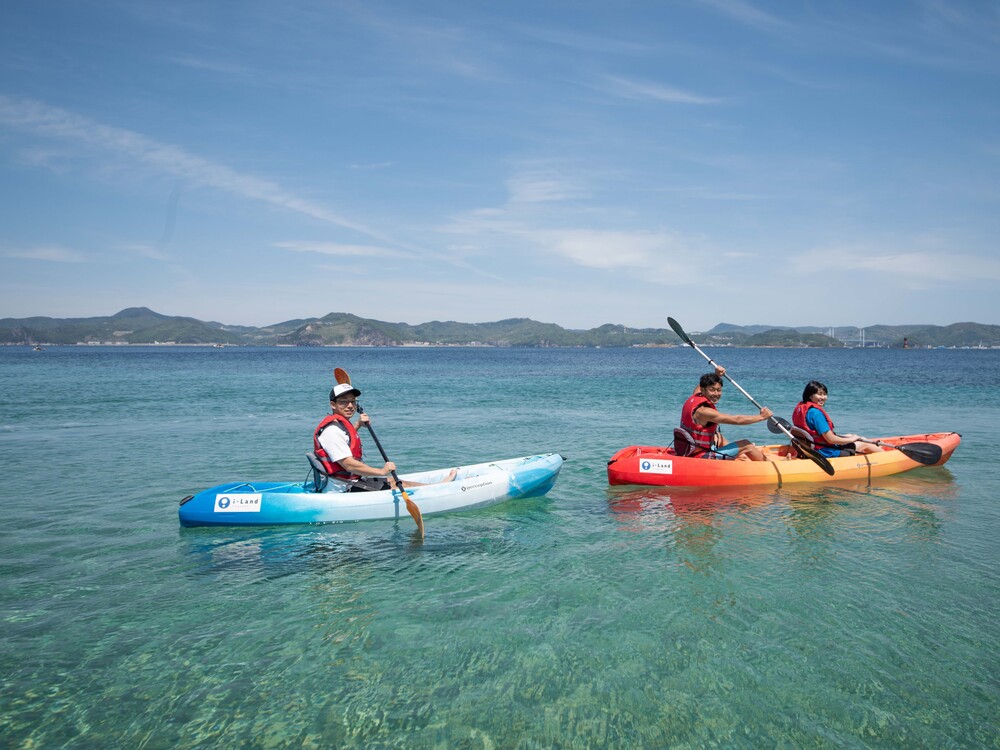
341,388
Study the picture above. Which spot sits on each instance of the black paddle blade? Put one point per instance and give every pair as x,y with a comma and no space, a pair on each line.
927,454
816,457
680,331
775,425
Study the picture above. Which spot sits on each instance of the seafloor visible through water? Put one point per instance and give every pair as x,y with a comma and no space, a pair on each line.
838,616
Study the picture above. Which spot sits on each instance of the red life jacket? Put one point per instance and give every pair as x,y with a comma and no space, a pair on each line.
799,420
333,468
704,436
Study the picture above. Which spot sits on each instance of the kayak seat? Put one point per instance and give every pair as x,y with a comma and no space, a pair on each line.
803,435
684,444
319,476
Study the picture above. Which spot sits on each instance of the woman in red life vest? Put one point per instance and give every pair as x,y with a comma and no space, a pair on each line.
812,417
337,445
700,417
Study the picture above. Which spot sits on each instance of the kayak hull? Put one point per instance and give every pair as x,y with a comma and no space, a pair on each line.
661,467
271,503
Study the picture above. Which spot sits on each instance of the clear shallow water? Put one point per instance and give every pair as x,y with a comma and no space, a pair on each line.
815,616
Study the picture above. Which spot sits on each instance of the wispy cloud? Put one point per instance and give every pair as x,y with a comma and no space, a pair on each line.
376,165
52,159
213,66
480,222
638,90
334,248
660,256
748,14
582,42
710,194
560,230
40,119
603,249
967,31
543,187
907,266
147,251
421,42
48,253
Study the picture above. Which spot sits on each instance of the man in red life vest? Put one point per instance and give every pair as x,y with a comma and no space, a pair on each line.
337,445
701,419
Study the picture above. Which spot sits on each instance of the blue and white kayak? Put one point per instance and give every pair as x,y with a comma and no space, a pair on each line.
475,486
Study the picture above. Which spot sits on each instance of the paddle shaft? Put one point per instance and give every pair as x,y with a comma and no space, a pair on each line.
411,506
813,455
380,448
342,377
687,340
737,386
726,376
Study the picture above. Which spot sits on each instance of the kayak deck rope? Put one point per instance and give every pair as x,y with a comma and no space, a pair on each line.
777,471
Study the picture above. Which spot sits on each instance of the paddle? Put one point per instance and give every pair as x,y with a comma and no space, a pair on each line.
342,377
775,424
927,454
818,458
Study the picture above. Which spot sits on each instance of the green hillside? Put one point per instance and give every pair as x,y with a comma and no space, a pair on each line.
791,338
140,325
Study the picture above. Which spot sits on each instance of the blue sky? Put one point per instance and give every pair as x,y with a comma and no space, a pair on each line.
790,163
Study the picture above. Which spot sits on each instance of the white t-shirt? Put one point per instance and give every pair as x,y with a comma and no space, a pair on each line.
335,442
337,446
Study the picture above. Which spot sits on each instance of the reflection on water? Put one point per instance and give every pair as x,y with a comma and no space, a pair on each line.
255,554
921,489
636,503
238,555
691,519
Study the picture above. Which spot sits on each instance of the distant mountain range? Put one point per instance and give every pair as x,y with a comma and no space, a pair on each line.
140,325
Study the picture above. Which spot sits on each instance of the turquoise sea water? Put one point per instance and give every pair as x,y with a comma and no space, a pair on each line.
817,616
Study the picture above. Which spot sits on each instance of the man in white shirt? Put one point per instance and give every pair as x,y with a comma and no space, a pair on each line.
337,445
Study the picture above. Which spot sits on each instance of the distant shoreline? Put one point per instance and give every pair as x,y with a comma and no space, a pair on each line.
140,326
174,344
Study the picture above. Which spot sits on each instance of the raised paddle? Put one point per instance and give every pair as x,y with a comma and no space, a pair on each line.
342,377
818,458
927,454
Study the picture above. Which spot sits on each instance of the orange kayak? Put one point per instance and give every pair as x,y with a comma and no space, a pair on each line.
660,466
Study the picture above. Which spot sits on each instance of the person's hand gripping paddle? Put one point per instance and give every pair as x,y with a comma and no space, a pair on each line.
806,450
343,377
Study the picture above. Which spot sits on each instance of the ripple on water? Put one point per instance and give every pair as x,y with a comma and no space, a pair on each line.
811,616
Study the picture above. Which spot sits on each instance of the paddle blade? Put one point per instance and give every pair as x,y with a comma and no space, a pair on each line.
927,454
341,375
680,331
816,457
414,511
779,425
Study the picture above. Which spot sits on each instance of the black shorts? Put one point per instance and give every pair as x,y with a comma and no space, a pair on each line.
369,484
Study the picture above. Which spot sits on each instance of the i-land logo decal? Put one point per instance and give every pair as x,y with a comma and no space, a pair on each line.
651,466
238,503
